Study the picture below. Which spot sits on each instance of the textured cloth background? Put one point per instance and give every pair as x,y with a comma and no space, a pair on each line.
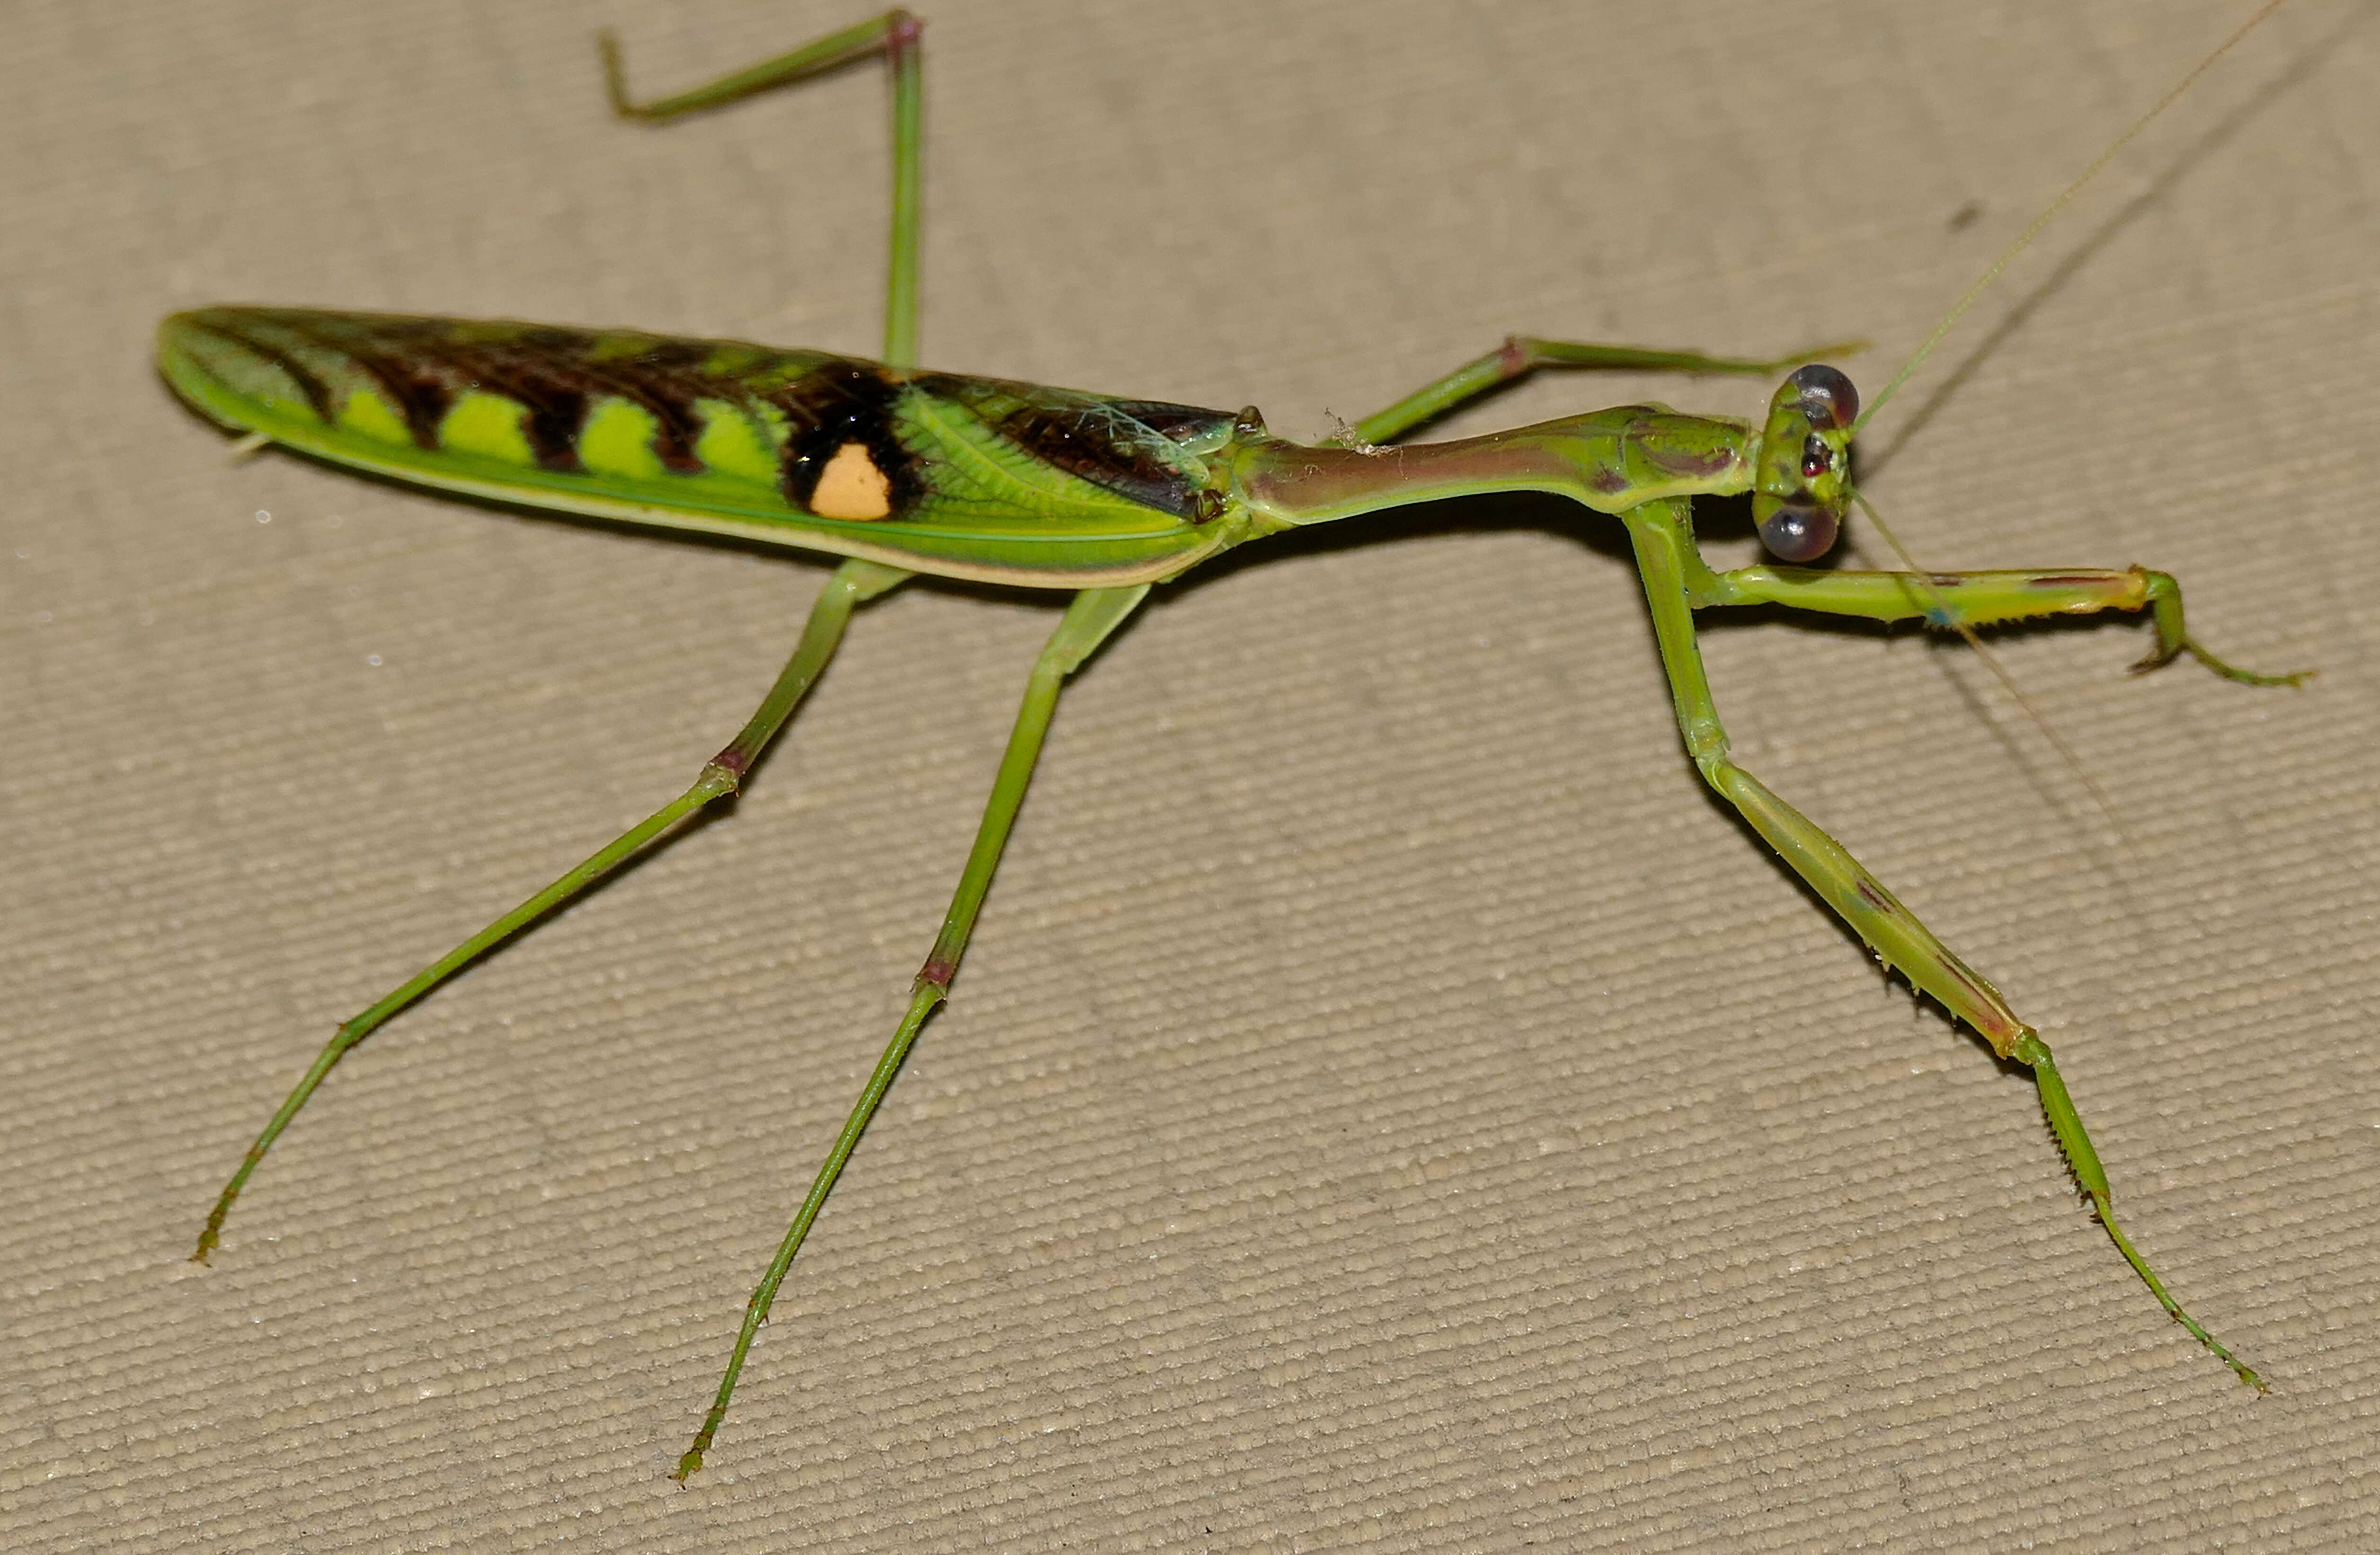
1389,1103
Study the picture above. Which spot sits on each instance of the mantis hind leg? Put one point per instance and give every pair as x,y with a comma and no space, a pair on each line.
1664,546
1093,615
897,35
854,583
1522,356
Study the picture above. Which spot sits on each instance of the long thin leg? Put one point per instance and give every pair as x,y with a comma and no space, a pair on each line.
1979,598
897,35
1663,543
1521,354
853,583
1094,613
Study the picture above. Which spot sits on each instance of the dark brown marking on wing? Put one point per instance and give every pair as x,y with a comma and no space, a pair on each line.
317,392
424,365
1106,443
550,423
421,395
1075,443
665,379
423,401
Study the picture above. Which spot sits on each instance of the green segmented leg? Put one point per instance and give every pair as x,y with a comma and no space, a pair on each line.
896,36
1666,559
854,583
1978,598
1094,614
1521,355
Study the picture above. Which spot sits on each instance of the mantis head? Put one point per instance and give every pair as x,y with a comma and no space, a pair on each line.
1801,488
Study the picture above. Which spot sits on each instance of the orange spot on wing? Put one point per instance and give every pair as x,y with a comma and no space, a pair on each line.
852,486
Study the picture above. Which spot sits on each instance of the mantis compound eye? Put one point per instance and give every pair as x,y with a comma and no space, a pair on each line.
1798,531
1826,396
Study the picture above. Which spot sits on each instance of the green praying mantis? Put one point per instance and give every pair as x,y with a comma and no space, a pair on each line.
902,471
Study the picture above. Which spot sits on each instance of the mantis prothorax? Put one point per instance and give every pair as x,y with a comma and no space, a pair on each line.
902,471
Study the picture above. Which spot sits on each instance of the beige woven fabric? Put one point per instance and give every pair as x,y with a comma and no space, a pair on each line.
1389,1104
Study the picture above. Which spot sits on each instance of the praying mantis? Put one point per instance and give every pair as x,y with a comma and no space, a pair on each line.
902,471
